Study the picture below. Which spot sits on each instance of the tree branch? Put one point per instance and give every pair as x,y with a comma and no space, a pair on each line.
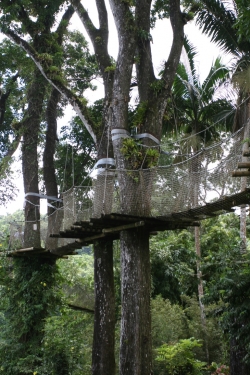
177,22
144,66
4,97
85,309
5,161
85,19
99,37
103,17
28,23
76,103
63,25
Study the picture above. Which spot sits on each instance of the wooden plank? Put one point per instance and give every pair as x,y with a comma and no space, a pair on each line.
244,164
124,227
121,218
240,173
92,238
224,203
31,249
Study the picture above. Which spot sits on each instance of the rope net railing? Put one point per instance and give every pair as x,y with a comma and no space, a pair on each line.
48,225
179,182
191,182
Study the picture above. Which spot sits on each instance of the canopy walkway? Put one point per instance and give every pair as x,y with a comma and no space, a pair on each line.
182,190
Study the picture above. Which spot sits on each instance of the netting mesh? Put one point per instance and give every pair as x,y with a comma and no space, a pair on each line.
178,186
178,183
16,235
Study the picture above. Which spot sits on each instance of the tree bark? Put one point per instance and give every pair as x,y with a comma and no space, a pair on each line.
31,127
237,354
135,352
54,217
103,359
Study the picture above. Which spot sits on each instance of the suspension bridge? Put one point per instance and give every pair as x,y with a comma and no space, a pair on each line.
177,193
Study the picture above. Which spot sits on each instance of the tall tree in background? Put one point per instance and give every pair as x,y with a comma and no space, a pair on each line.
14,75
29,128
45,42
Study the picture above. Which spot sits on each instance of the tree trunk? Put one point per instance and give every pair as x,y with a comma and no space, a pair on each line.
237,354
200,289
103,353
54,217
31,126
135,352
103,360
195,172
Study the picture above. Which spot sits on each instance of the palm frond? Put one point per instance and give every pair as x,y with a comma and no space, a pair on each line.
217,21
190,51
217,75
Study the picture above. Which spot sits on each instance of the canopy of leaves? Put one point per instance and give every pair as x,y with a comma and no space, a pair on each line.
242,24
173,263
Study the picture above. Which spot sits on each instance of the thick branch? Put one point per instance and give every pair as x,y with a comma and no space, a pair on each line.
144,66
85,19
64,23
99,37
177,23
76,103
4,164
84,309
88,24
103,18
4,98
27,22
126,30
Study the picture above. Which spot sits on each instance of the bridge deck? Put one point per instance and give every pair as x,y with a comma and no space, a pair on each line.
109,226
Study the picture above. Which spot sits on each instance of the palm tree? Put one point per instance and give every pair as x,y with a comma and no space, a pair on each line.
193,111
219,20
195,106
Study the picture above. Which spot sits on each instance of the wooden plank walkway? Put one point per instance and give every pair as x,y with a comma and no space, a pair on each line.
109,226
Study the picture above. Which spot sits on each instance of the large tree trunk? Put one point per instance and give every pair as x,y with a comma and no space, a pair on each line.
135,352
31,126
54,217
103,359
103,353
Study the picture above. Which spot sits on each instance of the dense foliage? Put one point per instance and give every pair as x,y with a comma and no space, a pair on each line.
58,341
